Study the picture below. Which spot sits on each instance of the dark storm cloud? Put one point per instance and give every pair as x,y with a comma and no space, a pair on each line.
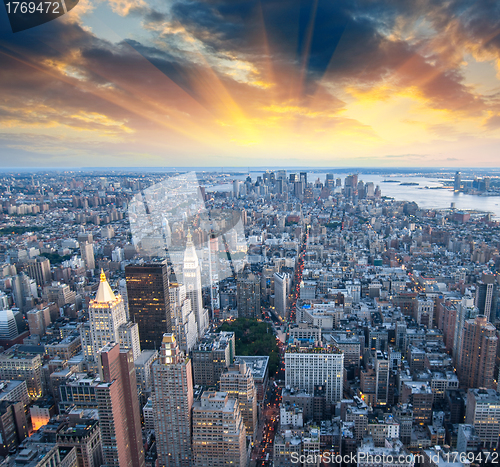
349,40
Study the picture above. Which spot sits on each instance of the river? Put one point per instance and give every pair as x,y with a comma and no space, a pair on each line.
424,193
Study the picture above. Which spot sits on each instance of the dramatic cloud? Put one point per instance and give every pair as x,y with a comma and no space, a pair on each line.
231,81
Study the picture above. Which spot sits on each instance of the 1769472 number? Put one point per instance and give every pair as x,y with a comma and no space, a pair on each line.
33,7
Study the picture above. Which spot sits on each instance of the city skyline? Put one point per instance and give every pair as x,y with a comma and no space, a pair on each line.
129,83
157,320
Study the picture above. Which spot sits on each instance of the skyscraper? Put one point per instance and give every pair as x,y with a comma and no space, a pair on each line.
39,269
219,435
486,295
330,181
483,412
211,356
382,380
457,182
87,253
248,296
238,382
477,360
108,323
192,281
118,407
149,302
172,403
280,294
183,319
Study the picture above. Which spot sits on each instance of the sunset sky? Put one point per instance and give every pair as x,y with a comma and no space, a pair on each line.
253,83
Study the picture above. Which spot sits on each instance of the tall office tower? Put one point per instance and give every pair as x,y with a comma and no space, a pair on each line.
303,178
483,412
351,181
361,189
298,189
236,188
172,403
238,382
477,360
108,323
122,289
183,319
281,175
213,257
118,407
280,294
401,335
87,253
330,181
306,368
149,302
248,296
211,356
8,325
279,186
382,380
39,269
192,281
369,190
219,435
486,295
465,310
24,290
458,181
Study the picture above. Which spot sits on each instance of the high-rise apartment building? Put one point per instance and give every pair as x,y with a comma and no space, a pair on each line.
483,412
477,360
39,269
219,435
192,280
309,367
382,380
149,302
248,296
172,404
465,310
238,382
211,356
486,295
87,253
118,406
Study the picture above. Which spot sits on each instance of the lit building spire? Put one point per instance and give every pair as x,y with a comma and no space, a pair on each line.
104,293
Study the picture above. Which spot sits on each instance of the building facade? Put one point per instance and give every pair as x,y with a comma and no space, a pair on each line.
219,435
172,404
118,406
149,302
306,368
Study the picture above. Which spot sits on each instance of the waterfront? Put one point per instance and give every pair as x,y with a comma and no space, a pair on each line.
429,193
